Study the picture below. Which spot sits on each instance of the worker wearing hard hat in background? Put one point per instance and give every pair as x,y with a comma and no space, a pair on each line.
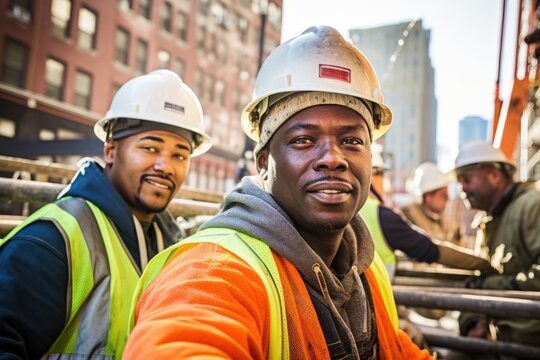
511,230
287,269
68,272
431,198
392,232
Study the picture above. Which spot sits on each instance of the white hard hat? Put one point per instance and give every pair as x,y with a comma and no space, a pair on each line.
377,161
428,177
162,99
477,152
319,59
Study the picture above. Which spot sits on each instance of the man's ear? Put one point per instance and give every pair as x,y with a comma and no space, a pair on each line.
262,162
109,151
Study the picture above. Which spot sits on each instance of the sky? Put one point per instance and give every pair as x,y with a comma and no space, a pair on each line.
464,48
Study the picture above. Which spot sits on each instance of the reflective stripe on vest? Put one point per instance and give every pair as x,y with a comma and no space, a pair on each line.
96,299
370,214
255,253
380,273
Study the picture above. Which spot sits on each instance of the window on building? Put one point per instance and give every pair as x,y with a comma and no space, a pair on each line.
204,7
222,51
274,15
212,51
220,92
122,46
87,29
179,67
210,82
182,25
46,135
21,10
201,38
54,79
164,59
198,83
166,21
125,4
243,25
7,128
141,55
145,7
221,14
83,89
61,18
14,62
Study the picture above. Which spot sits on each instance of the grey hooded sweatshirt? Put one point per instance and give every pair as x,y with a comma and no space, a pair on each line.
340,294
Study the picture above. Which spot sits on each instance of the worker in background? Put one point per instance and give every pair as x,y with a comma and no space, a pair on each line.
431,195
392,232
68,272
287,269
511,233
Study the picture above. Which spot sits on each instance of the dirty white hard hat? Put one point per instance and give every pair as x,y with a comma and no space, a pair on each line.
318,60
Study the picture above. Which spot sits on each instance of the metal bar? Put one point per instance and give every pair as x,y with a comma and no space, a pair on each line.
27,190
33,148
427,282
489,305
439,273
12,164
528,295
472,345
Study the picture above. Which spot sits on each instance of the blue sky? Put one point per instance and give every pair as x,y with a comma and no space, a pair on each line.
464,48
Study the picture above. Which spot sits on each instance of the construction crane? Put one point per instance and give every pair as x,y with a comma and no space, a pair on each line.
516,124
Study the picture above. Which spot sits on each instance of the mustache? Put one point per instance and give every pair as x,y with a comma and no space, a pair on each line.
327,178
161,176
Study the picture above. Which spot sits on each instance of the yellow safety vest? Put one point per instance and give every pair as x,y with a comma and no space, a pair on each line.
258,255
370,214
98,314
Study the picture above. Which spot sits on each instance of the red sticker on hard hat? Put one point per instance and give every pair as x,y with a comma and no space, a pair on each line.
174,107
334,72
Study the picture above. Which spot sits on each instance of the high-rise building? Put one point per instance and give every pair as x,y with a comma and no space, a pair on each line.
473,128
400,55
61,62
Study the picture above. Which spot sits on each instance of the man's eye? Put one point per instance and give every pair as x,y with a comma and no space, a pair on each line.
302,140
180,157
353,141
150,148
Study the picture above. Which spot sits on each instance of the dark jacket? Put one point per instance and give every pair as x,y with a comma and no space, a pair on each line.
512,239
34,270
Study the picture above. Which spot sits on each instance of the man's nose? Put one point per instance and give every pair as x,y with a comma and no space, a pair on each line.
331,157
163,164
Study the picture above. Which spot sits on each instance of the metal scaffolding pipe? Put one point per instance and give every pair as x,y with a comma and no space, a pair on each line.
63,171
529,295
43,192
438,273
489,305
472,345
427,282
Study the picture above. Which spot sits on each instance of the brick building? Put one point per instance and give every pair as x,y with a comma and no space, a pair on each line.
61,62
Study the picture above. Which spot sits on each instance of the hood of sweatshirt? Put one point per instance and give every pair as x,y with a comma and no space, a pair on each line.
251,210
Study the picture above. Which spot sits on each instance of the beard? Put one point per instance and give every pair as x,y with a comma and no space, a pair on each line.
149,208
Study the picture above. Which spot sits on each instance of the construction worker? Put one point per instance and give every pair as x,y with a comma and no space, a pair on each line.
431,197
511,233
287,269
391,232
68,272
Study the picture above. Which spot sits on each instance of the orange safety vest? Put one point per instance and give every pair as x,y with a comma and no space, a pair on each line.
298,335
